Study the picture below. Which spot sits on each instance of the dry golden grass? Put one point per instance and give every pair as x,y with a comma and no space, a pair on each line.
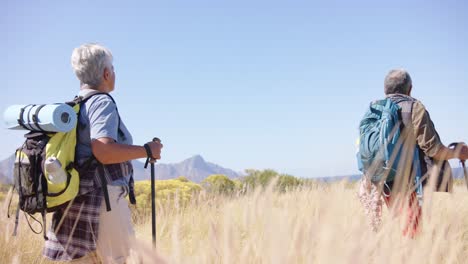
320,224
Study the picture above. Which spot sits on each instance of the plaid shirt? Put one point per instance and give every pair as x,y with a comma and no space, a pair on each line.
74,230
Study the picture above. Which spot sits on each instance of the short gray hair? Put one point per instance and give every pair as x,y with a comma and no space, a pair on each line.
397,81
89,62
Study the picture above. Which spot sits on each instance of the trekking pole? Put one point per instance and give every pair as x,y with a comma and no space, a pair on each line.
462,162
153,195
465,172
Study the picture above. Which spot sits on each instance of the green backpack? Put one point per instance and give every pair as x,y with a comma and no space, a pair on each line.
38,191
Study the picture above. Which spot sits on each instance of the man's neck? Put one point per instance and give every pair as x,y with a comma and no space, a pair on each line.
86,87
100,88
400,95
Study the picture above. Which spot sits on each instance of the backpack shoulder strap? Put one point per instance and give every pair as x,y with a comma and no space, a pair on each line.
79,99
83,99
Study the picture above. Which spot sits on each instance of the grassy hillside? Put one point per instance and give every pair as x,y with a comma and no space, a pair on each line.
321,223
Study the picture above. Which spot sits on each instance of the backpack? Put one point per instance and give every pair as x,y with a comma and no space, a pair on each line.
38,192
381,146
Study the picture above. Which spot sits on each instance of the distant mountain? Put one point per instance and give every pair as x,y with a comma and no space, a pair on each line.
351,178
195,169
458,173
4,179
6,170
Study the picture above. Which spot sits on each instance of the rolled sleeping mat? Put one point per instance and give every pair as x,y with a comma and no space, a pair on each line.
48,117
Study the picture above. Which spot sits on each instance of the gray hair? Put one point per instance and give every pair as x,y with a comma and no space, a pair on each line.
89,62
397,81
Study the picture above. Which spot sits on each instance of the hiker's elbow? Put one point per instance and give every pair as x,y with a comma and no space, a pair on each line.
103,159
102,150
444,153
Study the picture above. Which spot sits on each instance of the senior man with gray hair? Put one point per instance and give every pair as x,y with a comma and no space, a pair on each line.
420,131
85,231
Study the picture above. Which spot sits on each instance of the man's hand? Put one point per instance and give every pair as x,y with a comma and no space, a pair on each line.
107,151
155,147
454,151
463,152
459,150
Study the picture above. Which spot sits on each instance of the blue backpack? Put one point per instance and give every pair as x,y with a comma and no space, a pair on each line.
380,147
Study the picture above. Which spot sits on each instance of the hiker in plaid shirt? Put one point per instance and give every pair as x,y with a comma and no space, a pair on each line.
84,231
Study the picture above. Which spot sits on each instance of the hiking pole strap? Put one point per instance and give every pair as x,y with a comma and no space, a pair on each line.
106,196
131,190
104,187
149,154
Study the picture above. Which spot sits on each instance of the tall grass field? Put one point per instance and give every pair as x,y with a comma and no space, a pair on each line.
322,223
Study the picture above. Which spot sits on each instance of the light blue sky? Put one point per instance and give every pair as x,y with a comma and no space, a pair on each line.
246,84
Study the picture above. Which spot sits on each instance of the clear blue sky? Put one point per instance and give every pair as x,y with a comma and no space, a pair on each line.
246,84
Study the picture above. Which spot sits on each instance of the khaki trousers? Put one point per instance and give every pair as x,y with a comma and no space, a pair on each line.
116,233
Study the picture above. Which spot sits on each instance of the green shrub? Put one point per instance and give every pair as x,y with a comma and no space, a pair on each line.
218,184
182,179
287,182
237,184
166,191
257,178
